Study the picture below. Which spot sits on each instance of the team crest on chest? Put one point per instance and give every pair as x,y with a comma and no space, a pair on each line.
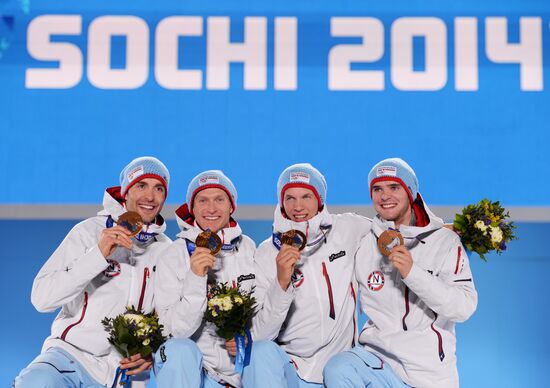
297,278
113,269
375,281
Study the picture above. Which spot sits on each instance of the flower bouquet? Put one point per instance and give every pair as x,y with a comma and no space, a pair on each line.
134,332
230,309
484,227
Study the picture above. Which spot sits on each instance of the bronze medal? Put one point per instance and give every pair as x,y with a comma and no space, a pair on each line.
210,240
388,240
294,238
132,221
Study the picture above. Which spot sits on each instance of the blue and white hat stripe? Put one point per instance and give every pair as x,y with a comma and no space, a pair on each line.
141,168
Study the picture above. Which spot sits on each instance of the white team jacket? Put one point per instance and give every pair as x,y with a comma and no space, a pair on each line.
411,322
316,317
180,295
88,288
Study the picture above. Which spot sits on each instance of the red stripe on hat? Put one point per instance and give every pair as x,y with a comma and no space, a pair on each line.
144,176
304,186
211,186
393,179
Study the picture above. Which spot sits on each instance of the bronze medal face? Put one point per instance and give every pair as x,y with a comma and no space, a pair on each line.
388,240
132,221
210,240
294,238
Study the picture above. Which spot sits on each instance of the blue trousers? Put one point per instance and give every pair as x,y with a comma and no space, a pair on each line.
55,368
178,363
270,367
359,368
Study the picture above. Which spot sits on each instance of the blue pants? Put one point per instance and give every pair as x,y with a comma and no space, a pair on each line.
270,367
359,368
178,363
55,368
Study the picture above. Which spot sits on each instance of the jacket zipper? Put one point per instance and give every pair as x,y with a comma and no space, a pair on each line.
439,339
66,331
407,308
331,314
143,286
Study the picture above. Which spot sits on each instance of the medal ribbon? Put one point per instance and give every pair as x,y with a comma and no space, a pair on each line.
242,358
125,380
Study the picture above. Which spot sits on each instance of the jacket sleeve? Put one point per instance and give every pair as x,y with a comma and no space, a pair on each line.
273,303
452,293
69,270
180,295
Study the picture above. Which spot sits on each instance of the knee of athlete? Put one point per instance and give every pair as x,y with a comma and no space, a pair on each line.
178,350
262,349
36,377
334,369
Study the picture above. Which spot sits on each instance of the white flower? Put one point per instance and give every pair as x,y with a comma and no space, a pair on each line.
226,303
481,226
214,313
133,318
496,234
146,341
238,300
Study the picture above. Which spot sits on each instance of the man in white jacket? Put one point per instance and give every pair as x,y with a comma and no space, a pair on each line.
196,356
96,272
413,296
307,304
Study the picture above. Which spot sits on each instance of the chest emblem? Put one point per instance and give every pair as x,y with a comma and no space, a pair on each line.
297,278
375,281
113,269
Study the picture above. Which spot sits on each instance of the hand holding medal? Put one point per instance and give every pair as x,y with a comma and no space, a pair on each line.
391,245
292,242
128,225
202,259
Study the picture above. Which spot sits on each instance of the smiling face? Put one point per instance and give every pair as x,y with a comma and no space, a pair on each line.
300,204
391,202
146,197
212,209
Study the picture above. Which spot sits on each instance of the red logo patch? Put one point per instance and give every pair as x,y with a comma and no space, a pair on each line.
297,278
375,281
113,269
